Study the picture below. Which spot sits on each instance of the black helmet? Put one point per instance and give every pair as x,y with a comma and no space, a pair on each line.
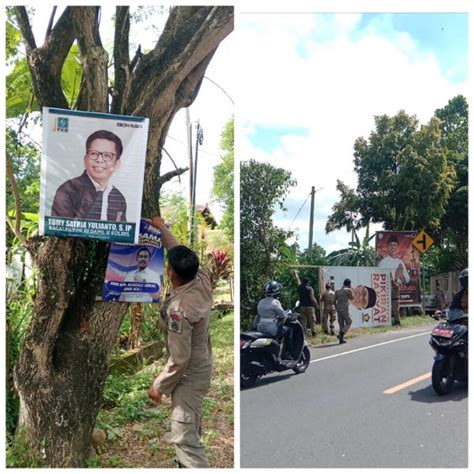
463,278
273,288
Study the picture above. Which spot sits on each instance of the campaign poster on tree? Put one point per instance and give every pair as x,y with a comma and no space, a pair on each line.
371,305
135,272
394,251
92,170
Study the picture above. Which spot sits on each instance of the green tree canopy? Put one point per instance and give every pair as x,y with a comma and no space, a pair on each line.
223,185
404,177
451,235
263,189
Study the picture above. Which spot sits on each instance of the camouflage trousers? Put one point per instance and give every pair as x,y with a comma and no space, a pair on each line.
343,320
186,419
328,314
308,318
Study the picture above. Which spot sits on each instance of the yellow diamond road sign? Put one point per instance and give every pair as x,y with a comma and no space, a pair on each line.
422,241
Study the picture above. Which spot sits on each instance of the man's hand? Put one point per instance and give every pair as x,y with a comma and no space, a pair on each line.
154,394
158,222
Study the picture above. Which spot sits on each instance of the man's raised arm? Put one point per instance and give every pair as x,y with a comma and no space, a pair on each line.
167,238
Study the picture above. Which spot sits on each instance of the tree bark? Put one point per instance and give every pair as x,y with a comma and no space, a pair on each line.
62,367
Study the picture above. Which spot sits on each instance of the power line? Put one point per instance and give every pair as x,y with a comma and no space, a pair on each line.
220,87
299,210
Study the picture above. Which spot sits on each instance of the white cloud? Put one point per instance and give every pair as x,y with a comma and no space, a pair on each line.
333,88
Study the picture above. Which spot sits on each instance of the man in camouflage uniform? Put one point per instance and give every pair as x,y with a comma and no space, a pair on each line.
308,304
343,295
187,375
328,300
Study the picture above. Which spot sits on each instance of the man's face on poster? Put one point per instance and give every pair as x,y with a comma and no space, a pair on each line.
143,259
392,249
361,297
101,160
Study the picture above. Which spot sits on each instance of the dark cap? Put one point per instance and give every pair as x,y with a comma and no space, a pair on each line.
392,238
372,297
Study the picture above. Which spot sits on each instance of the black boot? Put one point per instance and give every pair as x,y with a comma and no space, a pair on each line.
341,338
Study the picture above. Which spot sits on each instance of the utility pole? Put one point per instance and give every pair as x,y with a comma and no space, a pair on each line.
311,221
189,134
199,141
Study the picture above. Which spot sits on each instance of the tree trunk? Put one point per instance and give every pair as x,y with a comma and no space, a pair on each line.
62,367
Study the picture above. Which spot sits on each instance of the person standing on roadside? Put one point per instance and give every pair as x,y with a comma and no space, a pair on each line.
343,295
308,305
328,302
185,317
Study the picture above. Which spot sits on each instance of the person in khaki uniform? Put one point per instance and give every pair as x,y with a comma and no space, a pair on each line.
395,301
187,375
343,295
328,300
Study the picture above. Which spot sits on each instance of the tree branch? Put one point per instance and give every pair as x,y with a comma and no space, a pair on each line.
173,71
60,40
123,70
16,228
50,24
164,178
136,58
25,28
93,94
46,63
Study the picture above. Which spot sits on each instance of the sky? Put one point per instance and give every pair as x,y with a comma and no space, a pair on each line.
318,80
212,108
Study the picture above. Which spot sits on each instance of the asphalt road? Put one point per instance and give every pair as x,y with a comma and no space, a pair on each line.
336,414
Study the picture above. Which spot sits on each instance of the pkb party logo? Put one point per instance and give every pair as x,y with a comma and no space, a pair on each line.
62,124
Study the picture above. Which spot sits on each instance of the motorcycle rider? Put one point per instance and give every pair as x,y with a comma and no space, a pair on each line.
460,299
270,316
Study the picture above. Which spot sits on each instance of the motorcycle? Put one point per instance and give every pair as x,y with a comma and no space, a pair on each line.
449,341
260,353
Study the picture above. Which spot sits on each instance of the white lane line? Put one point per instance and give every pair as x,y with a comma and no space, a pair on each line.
369,347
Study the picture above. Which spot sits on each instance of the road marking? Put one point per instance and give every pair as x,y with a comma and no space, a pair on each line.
408,383
369,347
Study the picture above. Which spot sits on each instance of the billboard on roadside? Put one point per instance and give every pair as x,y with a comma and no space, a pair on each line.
394,251
371,305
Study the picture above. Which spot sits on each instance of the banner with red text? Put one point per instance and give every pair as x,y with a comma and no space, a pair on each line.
371,305
395,252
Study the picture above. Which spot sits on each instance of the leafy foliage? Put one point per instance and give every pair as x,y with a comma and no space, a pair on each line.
411,177
218,265
359,254
451,235
175,211
26,163
262,189
223,185
404,179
